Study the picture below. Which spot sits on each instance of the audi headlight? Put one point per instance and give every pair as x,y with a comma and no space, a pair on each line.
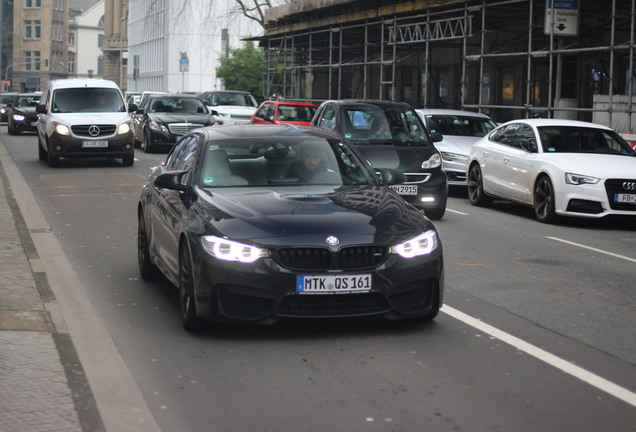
123,128
579,179
229,250
61,129
18,117
449,156
423,244
432,162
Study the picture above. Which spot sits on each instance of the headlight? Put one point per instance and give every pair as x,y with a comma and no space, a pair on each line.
423,244
578,179
432,162
229,250
123,128
18,117
61,129
454,157
158,126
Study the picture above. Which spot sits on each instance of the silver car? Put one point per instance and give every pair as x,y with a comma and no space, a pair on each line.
460,130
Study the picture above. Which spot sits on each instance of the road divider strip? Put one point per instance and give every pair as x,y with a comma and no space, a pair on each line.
623,257
540,354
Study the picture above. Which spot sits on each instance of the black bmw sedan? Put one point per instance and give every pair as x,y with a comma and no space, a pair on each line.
254,223
22,116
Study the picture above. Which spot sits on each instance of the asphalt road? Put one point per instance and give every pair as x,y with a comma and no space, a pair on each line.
537,331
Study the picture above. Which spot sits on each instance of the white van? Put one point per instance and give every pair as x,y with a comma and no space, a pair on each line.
84,118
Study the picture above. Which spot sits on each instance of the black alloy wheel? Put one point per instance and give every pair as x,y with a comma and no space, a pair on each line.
147,148
475,187
147,268
128,160
187,304
435,213
544,200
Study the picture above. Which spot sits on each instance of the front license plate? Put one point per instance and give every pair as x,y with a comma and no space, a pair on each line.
625,198
93,144
405,189
330,284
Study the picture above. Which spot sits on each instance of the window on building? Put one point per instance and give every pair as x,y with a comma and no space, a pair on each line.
100,40
71,38
32,29
71,64
100,65
36,61
32,4
27,60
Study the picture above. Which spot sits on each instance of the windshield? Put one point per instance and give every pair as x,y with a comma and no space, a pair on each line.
88,99
289,161
236,99
377,124
459,125
178,105
27,101
570,139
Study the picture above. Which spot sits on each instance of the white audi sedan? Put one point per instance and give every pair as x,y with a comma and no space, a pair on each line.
558,167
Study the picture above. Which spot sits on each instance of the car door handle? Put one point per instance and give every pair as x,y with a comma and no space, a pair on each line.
506,159
486,154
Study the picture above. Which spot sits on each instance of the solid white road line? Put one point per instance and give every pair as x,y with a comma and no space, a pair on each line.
456,211
593,249
567,367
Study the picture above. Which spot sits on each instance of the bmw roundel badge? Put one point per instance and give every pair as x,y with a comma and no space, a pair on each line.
332,240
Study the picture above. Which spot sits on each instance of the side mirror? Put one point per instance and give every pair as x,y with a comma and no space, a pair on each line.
132,107
214,112
270,118
391,176
437,137
40,109
171,181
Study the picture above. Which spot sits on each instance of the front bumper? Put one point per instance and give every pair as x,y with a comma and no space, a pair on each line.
431,193
72,146
264,291
594,201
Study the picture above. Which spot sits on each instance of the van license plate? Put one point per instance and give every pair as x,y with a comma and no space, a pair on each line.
93,144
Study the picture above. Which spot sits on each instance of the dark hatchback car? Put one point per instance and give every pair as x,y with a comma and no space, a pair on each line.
258,223
162,119
5,101
391,135
22,115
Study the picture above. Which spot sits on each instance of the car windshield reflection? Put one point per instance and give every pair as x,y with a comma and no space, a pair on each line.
263,163
567,139
377,125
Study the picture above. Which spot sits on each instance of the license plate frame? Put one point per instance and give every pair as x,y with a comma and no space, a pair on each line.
406,190
95,144
625,198
333,284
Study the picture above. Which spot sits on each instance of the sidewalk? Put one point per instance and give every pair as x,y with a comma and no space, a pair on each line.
43,384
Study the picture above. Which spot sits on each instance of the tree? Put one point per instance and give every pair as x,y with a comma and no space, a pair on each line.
243,69
255,9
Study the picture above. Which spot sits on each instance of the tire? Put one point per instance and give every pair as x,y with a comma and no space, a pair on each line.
11,130
187,304
435,213
128,160
147,148
53,161
147,268
41,152
475,187
544,200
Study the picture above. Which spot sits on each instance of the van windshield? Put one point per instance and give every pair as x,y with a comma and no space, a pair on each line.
87,99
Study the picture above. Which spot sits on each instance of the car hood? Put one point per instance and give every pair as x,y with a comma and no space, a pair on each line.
91,118
309,214
594,164
404,158
180,118
25,110
456,144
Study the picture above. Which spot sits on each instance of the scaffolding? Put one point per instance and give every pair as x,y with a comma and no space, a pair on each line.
506,58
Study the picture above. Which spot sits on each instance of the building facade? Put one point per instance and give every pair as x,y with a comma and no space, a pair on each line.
85,34
175,46
507,58
40,50
115,46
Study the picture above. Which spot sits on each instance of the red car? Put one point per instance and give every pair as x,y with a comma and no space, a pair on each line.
283,112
